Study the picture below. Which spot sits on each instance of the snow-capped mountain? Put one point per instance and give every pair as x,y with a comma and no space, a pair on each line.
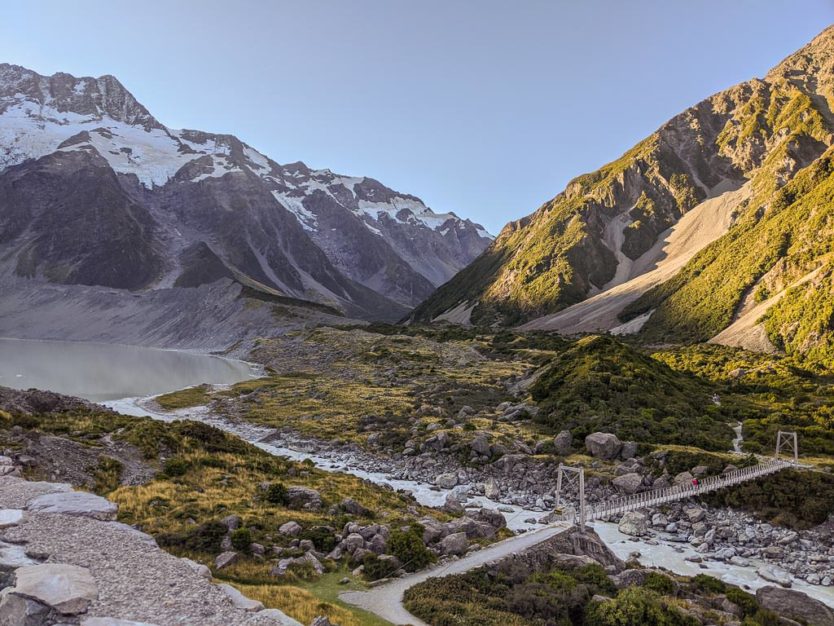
94,190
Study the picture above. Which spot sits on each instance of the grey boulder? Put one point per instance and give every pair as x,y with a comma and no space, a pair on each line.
603,445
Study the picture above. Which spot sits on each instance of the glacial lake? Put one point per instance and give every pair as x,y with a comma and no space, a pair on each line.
100,372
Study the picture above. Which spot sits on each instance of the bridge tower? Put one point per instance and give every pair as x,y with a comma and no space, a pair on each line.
571,476
787,442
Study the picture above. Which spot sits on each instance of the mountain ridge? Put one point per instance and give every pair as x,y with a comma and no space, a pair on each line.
544,270
345,242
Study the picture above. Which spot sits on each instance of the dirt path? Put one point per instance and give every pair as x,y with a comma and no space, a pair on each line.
675,247
386,600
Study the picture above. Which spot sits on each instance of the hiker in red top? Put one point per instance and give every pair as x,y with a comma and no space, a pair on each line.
694,482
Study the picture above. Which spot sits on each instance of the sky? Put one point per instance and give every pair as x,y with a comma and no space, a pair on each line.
482,107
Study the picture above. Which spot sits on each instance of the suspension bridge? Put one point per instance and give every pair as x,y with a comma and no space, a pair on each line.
786,443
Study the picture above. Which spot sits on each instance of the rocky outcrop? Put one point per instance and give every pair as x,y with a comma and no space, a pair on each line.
63,561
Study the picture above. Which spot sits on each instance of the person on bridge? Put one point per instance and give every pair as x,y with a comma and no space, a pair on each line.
695,482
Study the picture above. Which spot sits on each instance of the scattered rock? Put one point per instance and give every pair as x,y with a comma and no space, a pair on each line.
628,483
446,481
351,506
634,524
303,498
562,443
290,529
455,543
224,559
774,574
603,445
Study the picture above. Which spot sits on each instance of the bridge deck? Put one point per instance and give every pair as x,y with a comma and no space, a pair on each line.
681,492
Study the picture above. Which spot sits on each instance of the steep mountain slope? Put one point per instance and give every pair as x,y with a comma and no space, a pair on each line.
767,284
95,191
614,226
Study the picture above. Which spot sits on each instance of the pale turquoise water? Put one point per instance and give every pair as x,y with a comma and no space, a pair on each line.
98,371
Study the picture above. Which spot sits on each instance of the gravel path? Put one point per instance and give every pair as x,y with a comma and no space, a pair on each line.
386,600
136,579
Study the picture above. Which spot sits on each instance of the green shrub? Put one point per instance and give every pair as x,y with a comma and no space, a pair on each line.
107,475
241,539
408,547
276,493
376,568
175,466
661,584
206,538
321,536
636,606
709,584
743,600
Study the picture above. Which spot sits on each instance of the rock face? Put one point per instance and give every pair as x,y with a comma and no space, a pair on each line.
795,605
603,445
144,206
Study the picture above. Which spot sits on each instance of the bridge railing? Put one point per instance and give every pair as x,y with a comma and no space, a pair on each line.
680,492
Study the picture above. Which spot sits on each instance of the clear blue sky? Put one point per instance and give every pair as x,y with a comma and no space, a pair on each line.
483,107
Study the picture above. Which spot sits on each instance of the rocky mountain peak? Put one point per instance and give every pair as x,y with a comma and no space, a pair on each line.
86,96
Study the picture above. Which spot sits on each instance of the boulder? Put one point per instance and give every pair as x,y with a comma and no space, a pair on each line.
456,543
492,517
446,481
270,617
240,600
353,542
628,483
68,589
603,445
683,479
491,489
795,605
232,522
695,514
562,443
629,450
303,498
480,444
198,568
224,559
10,517
634,524
774,574
290,529
111,621
78,503
351,506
